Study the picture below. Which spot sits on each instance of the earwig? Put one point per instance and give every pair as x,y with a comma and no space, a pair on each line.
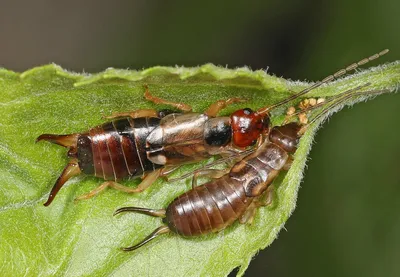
235,195
111,151
151,143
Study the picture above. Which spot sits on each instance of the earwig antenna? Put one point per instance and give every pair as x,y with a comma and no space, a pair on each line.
329,100
157,232
217,162
341,98
324,81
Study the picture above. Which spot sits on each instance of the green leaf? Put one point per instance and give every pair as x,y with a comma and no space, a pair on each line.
75,239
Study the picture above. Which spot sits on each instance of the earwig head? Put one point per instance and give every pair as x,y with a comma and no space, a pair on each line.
286,136
247,126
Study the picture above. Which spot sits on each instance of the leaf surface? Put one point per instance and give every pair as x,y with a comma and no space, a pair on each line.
76,239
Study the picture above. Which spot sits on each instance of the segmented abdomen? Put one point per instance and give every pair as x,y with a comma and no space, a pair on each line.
116,149
207,208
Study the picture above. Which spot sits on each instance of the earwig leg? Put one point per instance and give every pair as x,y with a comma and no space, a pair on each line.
97,190
147,181
157,232
210,173
63,140
156,100
150,212
266,198
216,107
248,216
72,169
134,114
168,170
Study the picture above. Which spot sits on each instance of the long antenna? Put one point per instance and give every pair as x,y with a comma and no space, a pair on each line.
214,163
328,100
327,79
340,99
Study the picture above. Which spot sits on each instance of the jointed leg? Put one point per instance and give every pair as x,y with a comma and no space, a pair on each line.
248,216
146,182
216,107
150,112
210,173
264,199
156,100
134,114
166,170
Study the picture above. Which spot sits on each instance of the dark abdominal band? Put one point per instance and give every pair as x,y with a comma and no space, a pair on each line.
116,149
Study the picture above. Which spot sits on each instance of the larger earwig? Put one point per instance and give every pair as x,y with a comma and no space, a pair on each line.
151,143
235,195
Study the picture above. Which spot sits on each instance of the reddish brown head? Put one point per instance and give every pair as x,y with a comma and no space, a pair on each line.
247,126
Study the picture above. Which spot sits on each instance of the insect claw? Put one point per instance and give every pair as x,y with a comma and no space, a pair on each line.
63,140
157,232
117,212
150,212
72,169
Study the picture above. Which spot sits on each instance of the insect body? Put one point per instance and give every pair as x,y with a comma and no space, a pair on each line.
235,195
153,139
112,151
192,137
145,142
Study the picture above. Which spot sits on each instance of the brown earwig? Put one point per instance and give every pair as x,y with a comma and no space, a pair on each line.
151,143
111,151
235,195
145,142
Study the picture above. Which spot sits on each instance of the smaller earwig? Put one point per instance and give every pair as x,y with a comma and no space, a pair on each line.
237,194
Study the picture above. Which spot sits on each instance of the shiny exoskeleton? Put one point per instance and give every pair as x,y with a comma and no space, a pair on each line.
218,203
234,196
112,151
144,142
191,137
151,143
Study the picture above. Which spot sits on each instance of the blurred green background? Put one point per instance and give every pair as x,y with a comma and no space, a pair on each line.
347,222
